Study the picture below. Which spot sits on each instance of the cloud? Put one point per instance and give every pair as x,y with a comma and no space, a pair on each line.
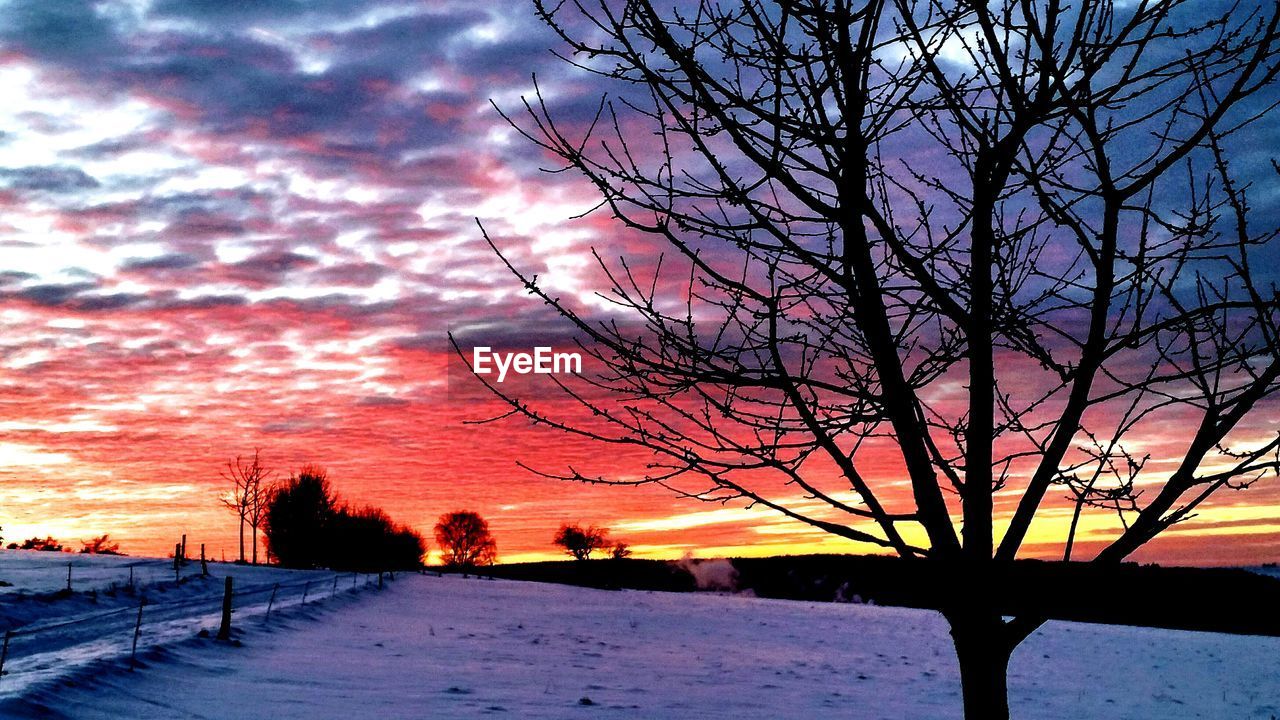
381,401
168,261
59,179
53,295
70,31
268,269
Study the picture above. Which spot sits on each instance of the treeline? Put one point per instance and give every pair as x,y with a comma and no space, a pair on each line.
307,525
1124,594
100,545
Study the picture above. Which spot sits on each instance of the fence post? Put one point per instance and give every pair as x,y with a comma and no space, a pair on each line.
137,632
306,590
335,585
130,577
224,632
68,576
354,577
272,600
184,547
4,652
177,561
204,564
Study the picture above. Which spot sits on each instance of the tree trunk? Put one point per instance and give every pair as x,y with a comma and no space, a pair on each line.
242,538
983,651
254,528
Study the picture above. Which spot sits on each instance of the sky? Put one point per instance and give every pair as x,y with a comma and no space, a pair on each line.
229,226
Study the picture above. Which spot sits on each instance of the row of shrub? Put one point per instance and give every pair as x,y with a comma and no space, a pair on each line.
307,526
100,545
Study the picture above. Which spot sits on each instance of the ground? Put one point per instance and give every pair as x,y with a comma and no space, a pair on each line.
428,647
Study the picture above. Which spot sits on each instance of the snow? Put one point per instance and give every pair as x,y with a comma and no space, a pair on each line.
56,633
32,571
464,648
1270,570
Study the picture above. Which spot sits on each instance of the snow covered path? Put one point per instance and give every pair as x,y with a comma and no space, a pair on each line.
52,633
452,648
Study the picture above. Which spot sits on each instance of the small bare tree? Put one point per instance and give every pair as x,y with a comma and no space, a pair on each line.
620,551
580,542
100,545
994,247
248,497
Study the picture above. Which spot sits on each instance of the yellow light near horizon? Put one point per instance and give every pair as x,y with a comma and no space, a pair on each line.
14,455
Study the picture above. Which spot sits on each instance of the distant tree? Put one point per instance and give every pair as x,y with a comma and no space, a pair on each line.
297,516
620,551
367,539
101,545
581,542
465,541
307,527
248,496
47,544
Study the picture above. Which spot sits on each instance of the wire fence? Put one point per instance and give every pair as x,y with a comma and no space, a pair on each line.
37,651
38,574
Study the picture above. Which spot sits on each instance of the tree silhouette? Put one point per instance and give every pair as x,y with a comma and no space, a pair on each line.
100,545
298,517
248,496
465,541
47,544
620,550
307,527
992,247
367,539
581,542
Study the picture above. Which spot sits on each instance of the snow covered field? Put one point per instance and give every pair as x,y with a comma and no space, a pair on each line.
1271,570
431,647
55,634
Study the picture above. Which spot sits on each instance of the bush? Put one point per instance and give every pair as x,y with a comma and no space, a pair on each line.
368,540
101,545
297,516
47,544
307,528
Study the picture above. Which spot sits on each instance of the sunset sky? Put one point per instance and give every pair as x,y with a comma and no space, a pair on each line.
239,225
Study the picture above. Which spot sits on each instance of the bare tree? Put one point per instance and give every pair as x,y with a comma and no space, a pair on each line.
465,541
581,542
620,551
997,247
248,497
100,545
